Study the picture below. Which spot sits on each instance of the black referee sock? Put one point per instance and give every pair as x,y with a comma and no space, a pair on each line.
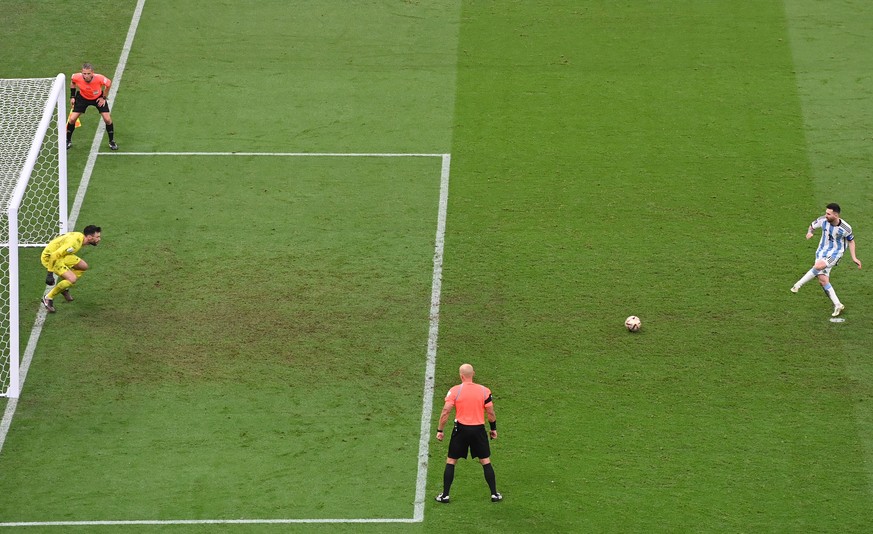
70,128
448,477
110,129
490,478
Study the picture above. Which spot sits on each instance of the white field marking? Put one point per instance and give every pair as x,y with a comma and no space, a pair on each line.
197,522
433,333
281,154
429,374
35,332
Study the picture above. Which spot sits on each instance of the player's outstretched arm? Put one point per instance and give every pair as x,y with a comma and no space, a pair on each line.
852,251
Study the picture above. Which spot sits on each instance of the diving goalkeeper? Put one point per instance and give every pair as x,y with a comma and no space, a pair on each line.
59,257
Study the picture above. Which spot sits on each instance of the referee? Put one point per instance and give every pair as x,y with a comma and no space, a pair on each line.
471,402
89,89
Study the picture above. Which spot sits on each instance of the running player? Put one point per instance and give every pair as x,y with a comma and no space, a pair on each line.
836,237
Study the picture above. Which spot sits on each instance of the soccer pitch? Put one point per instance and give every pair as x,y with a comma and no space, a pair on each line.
255,346
339,186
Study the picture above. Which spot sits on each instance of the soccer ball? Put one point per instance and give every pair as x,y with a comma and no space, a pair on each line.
633,323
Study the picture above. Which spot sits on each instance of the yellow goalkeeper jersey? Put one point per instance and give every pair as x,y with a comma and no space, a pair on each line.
62,246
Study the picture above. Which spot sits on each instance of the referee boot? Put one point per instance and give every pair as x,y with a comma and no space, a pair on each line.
497,497
112,145
443,498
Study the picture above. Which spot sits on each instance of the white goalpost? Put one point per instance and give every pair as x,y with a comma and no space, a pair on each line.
33,195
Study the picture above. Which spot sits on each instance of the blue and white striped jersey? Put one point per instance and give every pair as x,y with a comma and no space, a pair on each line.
834,239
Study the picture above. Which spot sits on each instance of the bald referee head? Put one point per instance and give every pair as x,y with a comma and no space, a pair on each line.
466,372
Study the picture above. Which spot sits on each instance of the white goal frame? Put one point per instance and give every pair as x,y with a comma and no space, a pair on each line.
20,207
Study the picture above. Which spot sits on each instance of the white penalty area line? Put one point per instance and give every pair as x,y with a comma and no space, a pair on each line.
198,522
432,336
283,154
427,395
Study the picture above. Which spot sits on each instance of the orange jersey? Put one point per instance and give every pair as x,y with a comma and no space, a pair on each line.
470,400
91,90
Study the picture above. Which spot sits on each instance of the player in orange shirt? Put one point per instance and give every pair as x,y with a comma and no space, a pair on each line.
89,89
471,402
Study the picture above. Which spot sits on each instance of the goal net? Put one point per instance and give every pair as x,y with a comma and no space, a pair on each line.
33,195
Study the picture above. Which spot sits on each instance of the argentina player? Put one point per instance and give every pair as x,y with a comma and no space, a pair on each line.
836,237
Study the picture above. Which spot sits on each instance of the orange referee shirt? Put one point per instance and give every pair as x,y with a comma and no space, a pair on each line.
93,89
470,400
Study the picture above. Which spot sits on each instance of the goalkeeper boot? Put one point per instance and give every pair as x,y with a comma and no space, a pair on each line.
112,145
67,296
49,305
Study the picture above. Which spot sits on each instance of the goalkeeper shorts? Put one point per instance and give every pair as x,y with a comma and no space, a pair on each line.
62,265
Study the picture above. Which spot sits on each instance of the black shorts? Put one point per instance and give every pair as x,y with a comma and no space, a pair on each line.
82,103
473,438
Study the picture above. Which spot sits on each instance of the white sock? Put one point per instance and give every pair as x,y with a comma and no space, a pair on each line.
829,291
806,278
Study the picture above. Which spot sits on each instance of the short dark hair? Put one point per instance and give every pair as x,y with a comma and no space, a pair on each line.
87,66
833,206
91,230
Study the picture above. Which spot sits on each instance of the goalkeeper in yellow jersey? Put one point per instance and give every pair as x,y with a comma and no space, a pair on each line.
59,257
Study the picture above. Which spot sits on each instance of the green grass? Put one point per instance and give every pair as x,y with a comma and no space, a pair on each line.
251,339
267,363
664,127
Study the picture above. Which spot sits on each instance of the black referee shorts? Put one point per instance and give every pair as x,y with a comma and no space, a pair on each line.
82,103
473,438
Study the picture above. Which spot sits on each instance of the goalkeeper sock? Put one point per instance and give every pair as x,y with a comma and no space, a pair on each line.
110,129
63,285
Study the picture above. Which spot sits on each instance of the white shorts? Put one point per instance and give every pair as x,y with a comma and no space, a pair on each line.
831,262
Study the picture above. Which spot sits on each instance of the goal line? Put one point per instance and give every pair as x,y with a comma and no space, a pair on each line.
199,522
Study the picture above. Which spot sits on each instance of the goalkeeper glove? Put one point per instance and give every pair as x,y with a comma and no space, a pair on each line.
50,279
